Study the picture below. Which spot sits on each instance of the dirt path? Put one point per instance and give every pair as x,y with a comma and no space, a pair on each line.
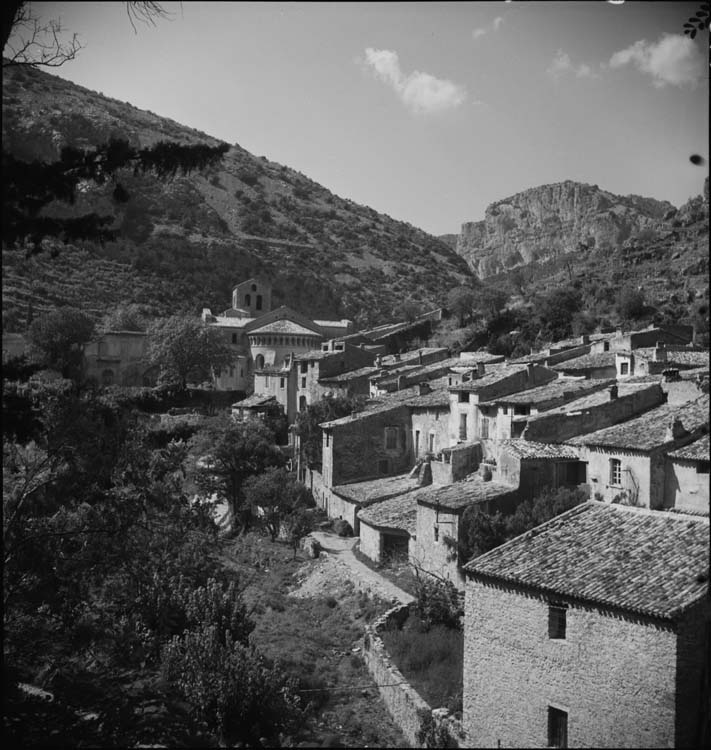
338,563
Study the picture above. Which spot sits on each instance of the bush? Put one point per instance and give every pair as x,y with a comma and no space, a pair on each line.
437,602
342,527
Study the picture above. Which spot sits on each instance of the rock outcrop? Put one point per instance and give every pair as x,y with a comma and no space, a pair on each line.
551,220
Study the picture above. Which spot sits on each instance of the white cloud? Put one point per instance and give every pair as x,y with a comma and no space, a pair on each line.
673,59
420,92
562,65
482,30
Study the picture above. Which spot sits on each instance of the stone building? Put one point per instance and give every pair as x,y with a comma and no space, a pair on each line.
595,365
119,358
260,336
686,486
627,462
466,421
657,360
591,630
387,529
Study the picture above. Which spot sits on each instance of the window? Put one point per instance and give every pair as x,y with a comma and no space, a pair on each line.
556,621
254,287
281,383
259,362
390,438
259,302
248,299
615,471
606,346
234,338
436,533
506,410
303,382
450,380
462,426
463,397
304,367
383,466
624,368
417,443
241,372
557,727
702,467
302,403
232,372
328,438
430,445
107,377
484,431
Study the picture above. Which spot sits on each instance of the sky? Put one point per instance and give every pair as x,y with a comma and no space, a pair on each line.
424,111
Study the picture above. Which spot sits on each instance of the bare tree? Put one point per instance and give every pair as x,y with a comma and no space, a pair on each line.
27,39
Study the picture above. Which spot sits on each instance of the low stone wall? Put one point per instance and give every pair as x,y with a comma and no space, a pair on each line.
401,699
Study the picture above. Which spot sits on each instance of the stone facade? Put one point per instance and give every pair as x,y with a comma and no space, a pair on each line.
687,485
119,358
430,430
613,676
635,478
367,445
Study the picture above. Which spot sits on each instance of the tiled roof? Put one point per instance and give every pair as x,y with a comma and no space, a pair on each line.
396,513
224,322
313,354
256,399
437,398
696,451
684,358
376,408
459,495
344,377
530,449
649,431
284,326
642,561
332,323
407,357
553,392
590,400
587,361
471,358
501,373
374,490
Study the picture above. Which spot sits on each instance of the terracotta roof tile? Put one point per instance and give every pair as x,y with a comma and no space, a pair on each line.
647,562
374,490
554,392
256,399
283,326
649,430
696,451
396,513
530,449
460,495
587,361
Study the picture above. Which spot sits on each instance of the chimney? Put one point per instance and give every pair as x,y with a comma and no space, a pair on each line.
400,382
585,339
529,371
675,430
419,356
425,389
480,368
612,390
660,353
397,356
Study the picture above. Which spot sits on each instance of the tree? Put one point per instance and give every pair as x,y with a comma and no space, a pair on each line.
461,301
481,531
130,317
29,188
182,346
630,303
235,451
308,421
298,524
57,340
490,300
277,494
556,310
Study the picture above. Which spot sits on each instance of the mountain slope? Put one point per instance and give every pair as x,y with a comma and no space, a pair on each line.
191,239
551,220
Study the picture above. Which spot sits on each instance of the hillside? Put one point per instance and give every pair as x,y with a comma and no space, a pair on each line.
184,243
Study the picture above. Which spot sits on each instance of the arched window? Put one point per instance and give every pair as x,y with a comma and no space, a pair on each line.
248,300
259,362
107,377
254,287
302,403
259,302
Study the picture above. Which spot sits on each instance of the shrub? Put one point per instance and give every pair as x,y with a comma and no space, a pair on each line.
342,527
437,602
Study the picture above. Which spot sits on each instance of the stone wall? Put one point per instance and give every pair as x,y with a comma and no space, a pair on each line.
371,542
636,474
401,699
432,552
426,422
332,504
685,488
615,677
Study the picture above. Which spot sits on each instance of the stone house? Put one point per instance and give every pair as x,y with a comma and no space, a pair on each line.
388,529
647,337
429,419
119,358
257,405
591,630
657,360
533,467
351,383
466,421
591,412
595,365
686,485
627,462
439,511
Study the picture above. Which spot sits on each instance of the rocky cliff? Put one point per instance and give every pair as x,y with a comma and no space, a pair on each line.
551,220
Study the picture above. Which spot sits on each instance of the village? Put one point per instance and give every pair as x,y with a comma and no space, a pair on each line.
593,623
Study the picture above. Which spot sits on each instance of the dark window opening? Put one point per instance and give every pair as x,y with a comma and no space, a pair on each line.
557,727
462,426
463,397
556,622
390,438
702,467
254,287
248,299
606,346
615,472
383,466
234,338
259,302
304,367
436,533
624,368
302,403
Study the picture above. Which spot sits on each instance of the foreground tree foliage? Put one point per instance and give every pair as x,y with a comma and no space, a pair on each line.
106,562
481,531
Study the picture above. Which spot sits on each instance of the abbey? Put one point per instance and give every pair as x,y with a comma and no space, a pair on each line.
262,337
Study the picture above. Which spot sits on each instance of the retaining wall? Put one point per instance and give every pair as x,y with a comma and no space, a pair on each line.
401,699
